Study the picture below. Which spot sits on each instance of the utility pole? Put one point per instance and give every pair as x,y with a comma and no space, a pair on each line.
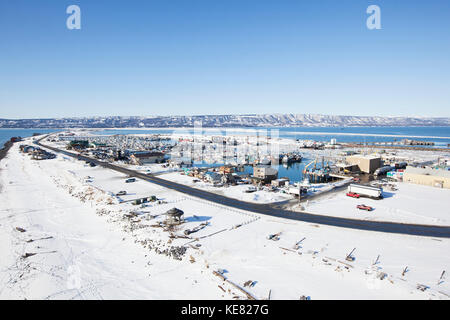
299,193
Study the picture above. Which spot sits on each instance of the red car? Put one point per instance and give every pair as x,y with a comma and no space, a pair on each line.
364,207
353,195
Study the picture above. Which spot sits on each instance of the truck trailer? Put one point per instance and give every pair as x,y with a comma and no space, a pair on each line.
368,191
383,170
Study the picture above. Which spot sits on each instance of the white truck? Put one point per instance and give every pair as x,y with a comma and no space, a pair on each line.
368,191
296,190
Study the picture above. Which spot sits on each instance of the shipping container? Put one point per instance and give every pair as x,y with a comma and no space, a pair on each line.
368,191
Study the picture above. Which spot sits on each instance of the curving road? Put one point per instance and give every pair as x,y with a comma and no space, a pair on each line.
267,209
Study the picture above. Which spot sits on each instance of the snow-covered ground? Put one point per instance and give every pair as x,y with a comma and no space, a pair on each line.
78,254
237,192
410,203
91,245
153,168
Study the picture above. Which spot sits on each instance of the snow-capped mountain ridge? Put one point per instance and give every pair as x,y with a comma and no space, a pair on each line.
249,120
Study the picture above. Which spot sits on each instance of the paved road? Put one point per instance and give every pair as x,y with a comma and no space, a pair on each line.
391,227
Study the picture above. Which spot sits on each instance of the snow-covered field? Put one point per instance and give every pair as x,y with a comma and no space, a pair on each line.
88,244
78,254
410,203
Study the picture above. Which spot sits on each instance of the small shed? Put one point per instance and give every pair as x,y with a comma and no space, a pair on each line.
174,216
264,174
213,177
282,182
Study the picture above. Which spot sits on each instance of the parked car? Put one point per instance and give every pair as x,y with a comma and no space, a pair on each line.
250,189
130,180
353,194
121,193
364,207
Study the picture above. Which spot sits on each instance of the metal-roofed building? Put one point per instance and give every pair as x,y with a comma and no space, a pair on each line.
427,176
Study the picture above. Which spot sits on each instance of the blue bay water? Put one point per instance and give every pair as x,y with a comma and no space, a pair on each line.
439,135
6,134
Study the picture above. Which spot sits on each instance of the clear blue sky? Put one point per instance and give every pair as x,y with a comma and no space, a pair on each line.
171,57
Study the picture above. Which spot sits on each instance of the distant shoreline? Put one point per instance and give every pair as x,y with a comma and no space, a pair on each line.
4,150
225,127
313,133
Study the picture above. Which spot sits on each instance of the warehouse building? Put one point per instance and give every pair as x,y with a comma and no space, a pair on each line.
146,158
264,174
439,178
367,164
